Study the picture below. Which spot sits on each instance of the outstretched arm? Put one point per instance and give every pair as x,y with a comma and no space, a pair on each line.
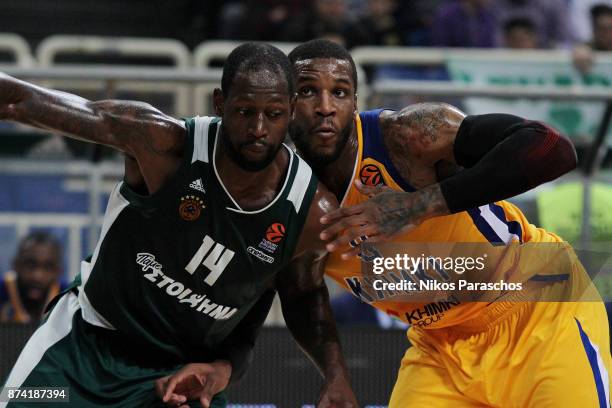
125,125
136,128
502,156
307,312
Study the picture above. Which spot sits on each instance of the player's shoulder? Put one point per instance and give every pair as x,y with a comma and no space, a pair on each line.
324,199
197,124
322,203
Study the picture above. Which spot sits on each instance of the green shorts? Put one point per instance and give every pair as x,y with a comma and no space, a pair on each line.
93,363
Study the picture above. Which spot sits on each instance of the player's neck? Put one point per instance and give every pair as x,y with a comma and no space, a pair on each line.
337,175
252,190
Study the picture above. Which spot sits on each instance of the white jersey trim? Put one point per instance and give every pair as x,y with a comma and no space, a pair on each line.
300,184
57,326
116,204
200,138
500,227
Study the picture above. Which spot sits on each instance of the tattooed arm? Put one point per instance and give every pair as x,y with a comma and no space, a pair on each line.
503,155
307,312
136,128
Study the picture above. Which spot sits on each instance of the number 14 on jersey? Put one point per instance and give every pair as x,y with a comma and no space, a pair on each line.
215,260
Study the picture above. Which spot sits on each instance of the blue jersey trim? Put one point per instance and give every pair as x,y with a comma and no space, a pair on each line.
374,148
514,227
592,356
488,230
550,278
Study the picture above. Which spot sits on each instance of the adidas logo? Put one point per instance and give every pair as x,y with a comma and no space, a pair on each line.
197,185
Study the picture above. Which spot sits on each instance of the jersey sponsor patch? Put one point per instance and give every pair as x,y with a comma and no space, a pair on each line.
179,291
147,261
260,255
191,207
431,312
197,185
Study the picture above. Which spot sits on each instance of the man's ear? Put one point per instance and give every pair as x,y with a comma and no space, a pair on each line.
218,101
292,102
355,104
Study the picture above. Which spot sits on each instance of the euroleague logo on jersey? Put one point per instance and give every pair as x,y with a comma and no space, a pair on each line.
370,175
274,235
191,207
275,232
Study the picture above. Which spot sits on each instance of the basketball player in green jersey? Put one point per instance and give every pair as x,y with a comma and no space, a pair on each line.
212,216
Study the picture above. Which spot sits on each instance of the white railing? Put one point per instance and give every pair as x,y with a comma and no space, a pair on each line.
439,56
55,45
96,186
110,78
445,88
194,97
174,51
113,74
18,46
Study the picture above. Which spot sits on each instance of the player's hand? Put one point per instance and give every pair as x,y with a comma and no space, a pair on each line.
337,393
199,381
386,214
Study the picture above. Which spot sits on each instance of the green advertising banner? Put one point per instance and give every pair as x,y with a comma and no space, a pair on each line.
577,119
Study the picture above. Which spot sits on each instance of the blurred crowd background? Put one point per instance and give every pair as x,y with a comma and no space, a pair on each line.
50,185
454,23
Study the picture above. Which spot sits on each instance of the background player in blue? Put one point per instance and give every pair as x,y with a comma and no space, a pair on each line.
212,216
34,280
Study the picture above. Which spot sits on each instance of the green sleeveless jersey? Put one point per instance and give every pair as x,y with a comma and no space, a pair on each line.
177,270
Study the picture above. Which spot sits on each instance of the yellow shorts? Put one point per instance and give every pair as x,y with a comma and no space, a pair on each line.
531,355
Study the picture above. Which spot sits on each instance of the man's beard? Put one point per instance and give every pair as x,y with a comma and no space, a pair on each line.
237,157
298,136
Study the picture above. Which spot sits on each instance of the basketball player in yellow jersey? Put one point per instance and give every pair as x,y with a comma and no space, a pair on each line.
503,353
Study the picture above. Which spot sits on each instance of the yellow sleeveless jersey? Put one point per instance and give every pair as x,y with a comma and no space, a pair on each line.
499,222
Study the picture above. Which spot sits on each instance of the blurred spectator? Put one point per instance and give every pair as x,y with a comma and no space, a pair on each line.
350,311
601,17
550,18
580,12
35,280
416,18
380,23
465,23
520,33
261,20
327,19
